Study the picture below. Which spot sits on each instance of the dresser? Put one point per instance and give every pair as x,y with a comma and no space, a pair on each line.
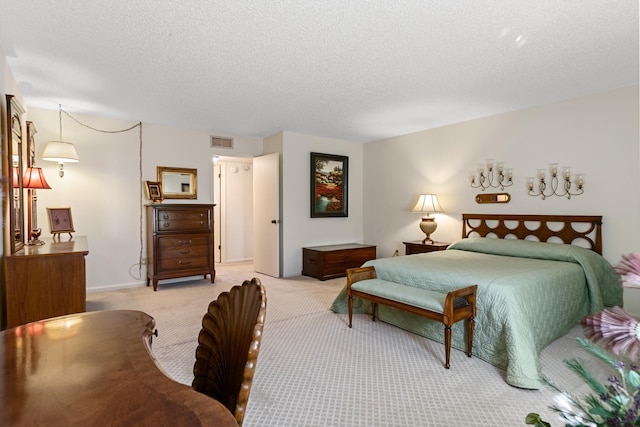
179,241
330,261
46,281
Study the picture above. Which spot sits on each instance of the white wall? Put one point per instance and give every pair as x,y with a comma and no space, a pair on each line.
299,229
105,191
595,134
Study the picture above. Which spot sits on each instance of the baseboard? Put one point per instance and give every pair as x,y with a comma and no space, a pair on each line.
237,261
115,287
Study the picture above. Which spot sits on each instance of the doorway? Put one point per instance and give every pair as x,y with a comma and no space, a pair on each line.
233,213
247,212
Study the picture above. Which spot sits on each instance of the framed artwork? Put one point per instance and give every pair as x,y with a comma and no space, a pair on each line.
154,192
329,176
60,221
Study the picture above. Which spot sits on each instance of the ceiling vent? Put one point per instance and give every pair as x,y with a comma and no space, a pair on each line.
221,142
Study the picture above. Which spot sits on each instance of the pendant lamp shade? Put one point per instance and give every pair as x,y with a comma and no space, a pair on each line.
61,152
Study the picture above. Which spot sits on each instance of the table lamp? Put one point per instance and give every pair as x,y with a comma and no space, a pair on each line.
428,203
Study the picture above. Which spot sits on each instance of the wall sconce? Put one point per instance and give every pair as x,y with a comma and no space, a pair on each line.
428,203
495,176
60,151
33,179
566,184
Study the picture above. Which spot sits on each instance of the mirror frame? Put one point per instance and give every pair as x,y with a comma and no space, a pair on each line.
493,198
16,203
193,182
32,204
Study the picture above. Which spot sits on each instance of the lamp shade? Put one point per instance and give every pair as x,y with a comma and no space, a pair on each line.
60,151
16,174
427,203
34,178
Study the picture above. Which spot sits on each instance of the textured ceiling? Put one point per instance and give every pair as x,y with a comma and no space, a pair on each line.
356,70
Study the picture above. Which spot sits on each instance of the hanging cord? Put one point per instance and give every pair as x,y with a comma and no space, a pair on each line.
139,126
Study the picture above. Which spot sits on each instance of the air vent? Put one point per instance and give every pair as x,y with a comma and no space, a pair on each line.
221,142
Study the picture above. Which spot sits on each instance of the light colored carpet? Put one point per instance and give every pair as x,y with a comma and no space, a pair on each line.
314,371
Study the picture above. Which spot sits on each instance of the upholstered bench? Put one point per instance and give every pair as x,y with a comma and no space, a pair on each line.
459,304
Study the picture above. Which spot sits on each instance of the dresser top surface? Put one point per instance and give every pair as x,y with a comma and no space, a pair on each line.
59,245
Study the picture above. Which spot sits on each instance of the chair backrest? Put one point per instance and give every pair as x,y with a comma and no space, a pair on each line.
228,346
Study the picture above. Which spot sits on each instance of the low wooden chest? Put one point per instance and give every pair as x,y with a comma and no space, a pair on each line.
328,262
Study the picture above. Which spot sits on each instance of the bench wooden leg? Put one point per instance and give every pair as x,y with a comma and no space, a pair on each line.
374,308
470,327
447,345
350,303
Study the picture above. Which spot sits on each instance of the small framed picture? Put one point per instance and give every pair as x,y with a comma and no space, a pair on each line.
329,175
60,221
154,192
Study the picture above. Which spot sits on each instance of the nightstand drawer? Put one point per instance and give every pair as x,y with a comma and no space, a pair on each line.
184,251
183,215
418,247
169,242
184,263
183,225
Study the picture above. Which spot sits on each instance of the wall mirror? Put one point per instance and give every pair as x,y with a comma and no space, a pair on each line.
15,156
178,183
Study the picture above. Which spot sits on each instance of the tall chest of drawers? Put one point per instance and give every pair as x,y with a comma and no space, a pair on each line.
179,241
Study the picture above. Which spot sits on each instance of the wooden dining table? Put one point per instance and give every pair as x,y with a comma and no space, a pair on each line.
91,369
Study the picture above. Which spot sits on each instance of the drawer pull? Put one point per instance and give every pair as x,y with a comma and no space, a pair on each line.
185,251
166,224
184,262
165,216
184,242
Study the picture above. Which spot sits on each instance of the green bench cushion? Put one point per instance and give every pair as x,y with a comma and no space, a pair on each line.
423,298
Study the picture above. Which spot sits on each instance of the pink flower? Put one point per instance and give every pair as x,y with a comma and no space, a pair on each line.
616,329
629,270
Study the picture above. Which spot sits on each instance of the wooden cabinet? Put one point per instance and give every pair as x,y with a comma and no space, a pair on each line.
327,262
46,281
418,247
179,241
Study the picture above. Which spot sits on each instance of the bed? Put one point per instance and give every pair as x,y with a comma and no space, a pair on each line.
537,276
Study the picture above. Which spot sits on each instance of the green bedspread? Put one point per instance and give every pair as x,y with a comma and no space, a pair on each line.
529,294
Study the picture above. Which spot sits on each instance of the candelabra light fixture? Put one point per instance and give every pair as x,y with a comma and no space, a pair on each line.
547,188
491,175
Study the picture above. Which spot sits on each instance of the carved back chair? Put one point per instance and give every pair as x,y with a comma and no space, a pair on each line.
228,346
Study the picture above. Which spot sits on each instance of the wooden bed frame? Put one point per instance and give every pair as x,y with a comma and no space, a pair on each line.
540,227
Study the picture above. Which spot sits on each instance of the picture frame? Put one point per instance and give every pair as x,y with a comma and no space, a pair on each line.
329,185
154,191
60,221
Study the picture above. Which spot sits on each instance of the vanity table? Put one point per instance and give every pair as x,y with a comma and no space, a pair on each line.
46,281
93,369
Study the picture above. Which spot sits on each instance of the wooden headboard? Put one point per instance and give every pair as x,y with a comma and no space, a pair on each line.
542,227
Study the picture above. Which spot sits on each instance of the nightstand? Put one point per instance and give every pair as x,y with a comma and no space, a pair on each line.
417,247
